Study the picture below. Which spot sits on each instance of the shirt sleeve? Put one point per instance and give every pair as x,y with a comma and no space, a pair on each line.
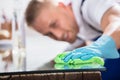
93,10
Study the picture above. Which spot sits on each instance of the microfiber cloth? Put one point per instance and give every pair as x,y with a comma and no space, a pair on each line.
95,59
77,66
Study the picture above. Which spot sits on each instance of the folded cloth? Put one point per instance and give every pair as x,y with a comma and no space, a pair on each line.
93,60
77,66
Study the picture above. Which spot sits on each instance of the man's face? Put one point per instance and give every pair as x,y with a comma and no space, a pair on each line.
57,23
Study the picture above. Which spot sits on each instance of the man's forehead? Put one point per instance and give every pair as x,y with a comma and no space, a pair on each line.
44,17
42,21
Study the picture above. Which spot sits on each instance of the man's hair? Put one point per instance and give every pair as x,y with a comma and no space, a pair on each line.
33,9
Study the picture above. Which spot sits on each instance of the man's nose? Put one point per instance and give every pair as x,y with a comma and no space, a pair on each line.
58,34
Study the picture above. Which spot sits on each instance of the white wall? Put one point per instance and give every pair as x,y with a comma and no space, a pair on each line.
41,49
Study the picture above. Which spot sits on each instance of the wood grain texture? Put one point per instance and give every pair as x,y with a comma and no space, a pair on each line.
92,75
85,75
73,76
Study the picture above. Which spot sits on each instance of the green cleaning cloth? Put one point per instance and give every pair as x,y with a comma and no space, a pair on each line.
94,60
77,66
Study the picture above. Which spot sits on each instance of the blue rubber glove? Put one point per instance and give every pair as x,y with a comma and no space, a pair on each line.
104,47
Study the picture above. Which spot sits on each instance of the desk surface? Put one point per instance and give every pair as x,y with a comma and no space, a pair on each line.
12,62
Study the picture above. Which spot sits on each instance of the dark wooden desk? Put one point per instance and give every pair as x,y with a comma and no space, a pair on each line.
85,75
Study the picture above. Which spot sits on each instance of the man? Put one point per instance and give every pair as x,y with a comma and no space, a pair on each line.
74,19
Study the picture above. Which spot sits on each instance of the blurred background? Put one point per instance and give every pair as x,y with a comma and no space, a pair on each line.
16,34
